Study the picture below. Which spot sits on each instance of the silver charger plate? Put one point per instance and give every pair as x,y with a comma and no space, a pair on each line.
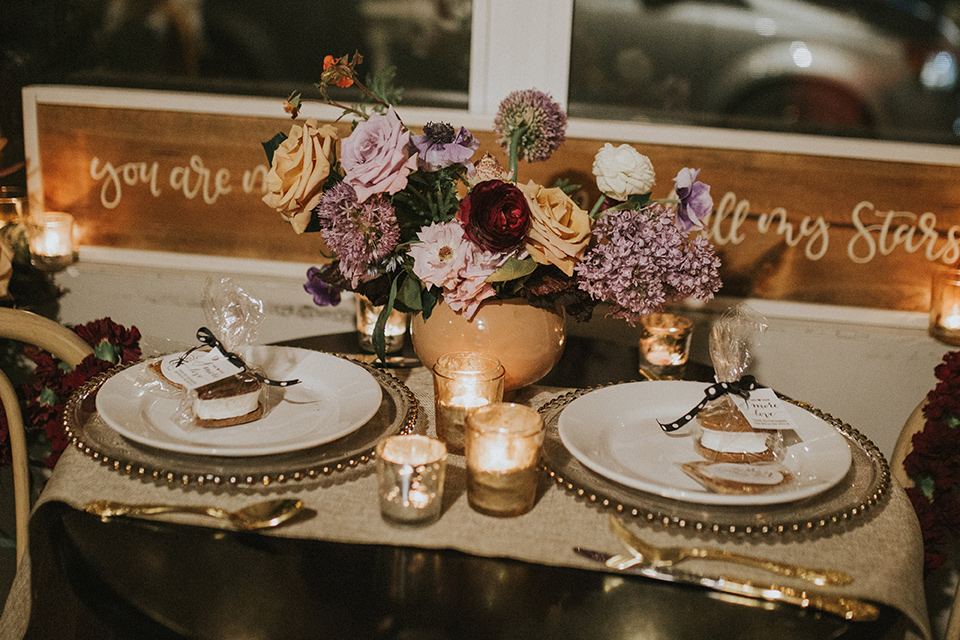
398,413
863,487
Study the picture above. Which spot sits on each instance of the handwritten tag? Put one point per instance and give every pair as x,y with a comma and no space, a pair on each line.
197,369
763,410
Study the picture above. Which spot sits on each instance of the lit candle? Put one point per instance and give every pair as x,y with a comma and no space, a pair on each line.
665,344
462,382
51,240
503,443
945,307
410,473
394,330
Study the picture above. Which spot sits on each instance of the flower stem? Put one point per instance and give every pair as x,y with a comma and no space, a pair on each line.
515,150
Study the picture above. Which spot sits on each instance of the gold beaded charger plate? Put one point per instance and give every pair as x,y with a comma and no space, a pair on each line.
864,485
397,412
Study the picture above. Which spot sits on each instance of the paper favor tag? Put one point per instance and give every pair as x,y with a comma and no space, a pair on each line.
763,410
197,369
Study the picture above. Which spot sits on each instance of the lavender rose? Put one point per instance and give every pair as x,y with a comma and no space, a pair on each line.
299,170
495,216
378,156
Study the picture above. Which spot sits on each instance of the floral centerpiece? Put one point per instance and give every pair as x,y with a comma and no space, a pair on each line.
409,219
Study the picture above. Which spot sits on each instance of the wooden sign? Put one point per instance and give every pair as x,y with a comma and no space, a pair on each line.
821,220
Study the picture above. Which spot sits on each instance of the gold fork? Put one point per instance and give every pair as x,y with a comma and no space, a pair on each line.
644,552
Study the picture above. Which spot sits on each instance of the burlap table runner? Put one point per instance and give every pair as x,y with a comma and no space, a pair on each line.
883,552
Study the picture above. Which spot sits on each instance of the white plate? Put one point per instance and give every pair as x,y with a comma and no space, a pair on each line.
614,432
335,397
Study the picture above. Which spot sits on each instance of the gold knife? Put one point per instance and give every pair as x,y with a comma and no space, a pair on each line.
852,609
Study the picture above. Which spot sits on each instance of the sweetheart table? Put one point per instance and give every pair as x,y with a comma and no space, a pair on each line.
341,570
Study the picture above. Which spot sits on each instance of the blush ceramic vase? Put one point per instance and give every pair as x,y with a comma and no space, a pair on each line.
527,340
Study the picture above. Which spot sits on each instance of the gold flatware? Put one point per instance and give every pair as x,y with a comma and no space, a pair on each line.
852,609
259,515
665,556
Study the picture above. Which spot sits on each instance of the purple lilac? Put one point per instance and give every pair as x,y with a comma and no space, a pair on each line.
695,200
360,233
440,146
544,121
324,294
642,259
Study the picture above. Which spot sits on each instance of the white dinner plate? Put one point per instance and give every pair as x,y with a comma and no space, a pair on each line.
335,397
614,432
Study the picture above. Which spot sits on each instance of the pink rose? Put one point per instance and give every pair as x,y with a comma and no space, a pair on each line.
378,156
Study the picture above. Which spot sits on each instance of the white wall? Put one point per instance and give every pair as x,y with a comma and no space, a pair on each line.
869,368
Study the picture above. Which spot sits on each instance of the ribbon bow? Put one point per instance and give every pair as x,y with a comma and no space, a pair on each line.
206,336
741,387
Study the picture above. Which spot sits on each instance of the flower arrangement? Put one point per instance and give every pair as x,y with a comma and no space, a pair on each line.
934,463
409,219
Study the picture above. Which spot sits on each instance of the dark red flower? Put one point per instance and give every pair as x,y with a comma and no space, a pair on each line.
495,216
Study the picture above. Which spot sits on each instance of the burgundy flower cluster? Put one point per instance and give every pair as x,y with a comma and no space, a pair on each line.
54,381
934,463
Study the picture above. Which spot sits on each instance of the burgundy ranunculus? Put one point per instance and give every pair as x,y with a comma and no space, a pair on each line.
495,216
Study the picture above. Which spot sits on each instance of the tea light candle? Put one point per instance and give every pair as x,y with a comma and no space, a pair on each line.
51,240
503,442
410,473
945,307
462,382
665,344
395,330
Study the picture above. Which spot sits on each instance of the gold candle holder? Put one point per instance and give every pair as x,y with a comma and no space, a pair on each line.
462,382
665,345
503,443
395,330
945,307
410,472
13,206
50,235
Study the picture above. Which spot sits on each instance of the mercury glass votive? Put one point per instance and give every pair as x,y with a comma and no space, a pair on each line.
945,307
665,345
13,206
410,471
395,330
462,382
50,235
503,444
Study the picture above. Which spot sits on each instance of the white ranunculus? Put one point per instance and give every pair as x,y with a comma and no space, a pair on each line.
623,171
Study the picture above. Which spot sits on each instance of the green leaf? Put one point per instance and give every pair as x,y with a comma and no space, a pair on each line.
409,294
927,485
48,397
513,269
564,185
380,84
107,352
429,297
270,146
380,329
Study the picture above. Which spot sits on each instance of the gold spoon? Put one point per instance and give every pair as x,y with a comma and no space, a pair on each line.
259,515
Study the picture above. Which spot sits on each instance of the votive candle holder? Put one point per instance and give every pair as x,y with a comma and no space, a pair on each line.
945,306
410,473
665,345
50,235
503,446
462,382
395,330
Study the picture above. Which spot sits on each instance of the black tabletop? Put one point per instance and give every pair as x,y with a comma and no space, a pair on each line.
130,578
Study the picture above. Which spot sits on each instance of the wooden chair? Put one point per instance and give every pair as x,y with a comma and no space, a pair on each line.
50,336
901,450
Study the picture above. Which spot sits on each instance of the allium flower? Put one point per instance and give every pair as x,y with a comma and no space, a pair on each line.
536,118
441,146
324,294
695,200
495,215
623,171
642,259
361,233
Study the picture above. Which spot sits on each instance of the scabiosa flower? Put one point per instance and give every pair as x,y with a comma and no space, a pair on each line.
361,233
324,294
531,121
695,200
642,259
441,146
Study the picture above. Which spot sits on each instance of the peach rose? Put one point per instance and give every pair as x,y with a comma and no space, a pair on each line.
559,230
300,167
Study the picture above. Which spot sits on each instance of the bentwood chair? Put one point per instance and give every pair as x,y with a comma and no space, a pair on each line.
901,450
50,336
